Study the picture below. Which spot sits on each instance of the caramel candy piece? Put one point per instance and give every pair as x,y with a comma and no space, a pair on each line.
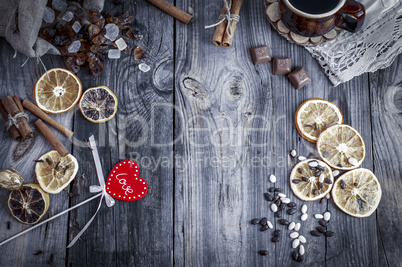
260,55
299,78
282,66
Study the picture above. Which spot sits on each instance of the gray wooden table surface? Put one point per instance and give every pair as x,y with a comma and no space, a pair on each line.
207,128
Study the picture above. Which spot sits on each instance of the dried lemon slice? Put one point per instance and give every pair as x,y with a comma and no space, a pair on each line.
311,179
341,147
98,104
28,204
357,193
54,172
314,116
57,91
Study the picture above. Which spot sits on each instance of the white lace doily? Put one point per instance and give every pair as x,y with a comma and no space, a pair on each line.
375,47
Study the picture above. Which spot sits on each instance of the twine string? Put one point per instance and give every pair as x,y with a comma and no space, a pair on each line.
228,16
13,120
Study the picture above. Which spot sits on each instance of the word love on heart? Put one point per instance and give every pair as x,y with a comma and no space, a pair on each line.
123,182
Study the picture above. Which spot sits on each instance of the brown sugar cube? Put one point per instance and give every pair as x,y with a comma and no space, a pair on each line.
260,55
299,78
282,66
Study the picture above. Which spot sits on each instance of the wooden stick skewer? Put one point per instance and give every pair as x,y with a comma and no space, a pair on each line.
38,112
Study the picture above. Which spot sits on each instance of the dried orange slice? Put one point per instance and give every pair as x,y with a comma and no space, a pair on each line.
57,91
28,204
341,147
357,192
314,116
54,172
311,179
98,104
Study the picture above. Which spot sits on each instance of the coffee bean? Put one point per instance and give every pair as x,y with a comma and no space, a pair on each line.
296,181
314,191
271,189
263,252
323,223
317,174
321,229
277,233
328,181
283,222
305,179
329,234
282,206
263,221
342,184
291,211
268,197
275,239
291,204
264,228
300,258
300,170
315,233
278,214
321,168
255,221
278,190
295,255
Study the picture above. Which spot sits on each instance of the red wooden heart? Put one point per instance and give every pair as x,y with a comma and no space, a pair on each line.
123,182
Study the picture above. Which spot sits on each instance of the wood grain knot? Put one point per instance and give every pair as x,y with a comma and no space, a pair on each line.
162,76
235,88
196,89
393,99
21,149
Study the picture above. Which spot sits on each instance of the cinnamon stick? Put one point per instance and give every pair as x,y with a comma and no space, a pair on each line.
236,6
15,134
51,137
23,126
172,10
17,101
38,112
220,30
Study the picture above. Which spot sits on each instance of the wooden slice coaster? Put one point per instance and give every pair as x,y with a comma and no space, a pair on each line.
274,17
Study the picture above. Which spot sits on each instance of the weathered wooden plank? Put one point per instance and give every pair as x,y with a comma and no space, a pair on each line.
386,115
131,233
49,238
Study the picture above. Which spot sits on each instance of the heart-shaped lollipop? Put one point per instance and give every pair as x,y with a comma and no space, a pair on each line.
123,182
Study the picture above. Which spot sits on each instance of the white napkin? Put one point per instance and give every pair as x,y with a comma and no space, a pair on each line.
374,47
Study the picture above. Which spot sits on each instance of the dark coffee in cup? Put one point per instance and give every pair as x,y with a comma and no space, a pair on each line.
314,6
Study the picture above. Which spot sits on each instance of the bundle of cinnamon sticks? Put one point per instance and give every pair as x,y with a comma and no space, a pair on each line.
221,36
9,108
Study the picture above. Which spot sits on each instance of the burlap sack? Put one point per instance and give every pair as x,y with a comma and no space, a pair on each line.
20,21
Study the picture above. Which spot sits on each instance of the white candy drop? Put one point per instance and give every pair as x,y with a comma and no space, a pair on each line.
327,216
294,235
295,243
281,195
304,217
304,208
293,153
301,250
270,225
301,158
291,225
328,196
272,178
297,226
285,200
302,239
144,67
274,208
335,173
318,216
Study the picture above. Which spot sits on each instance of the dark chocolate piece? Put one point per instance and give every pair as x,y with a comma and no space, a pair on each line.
282,66
299,78
260,55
